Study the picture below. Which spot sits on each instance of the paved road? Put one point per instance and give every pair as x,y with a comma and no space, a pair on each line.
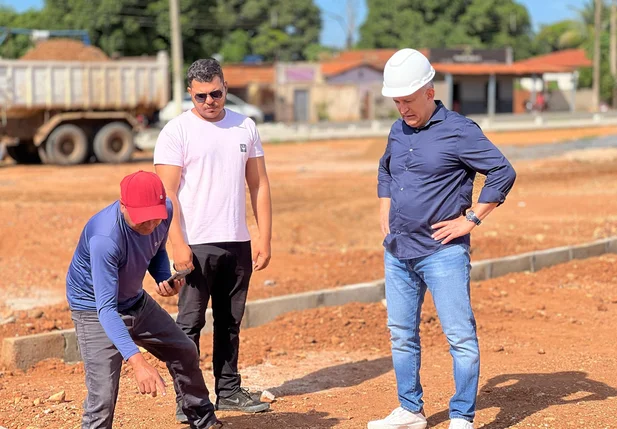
539,151
275,132
556,149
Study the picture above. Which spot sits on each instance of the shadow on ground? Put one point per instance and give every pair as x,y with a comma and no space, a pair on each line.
275,420
345,375
519,396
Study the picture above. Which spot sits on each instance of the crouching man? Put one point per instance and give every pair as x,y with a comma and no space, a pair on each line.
113,315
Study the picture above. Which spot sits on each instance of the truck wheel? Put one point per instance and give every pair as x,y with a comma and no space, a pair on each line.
42,150
114,143
67,145
24,153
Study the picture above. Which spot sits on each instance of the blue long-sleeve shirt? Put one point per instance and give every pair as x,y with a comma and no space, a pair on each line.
428,174
108,268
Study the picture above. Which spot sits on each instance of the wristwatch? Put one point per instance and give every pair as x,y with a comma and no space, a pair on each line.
471,217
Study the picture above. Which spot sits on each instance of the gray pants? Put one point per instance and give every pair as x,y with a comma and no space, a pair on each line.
152,328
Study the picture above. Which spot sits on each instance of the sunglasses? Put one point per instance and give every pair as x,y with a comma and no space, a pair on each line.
216,95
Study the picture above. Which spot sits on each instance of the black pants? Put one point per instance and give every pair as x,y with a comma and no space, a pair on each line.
222,271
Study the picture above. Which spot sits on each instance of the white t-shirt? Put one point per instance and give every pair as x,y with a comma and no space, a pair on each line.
213,158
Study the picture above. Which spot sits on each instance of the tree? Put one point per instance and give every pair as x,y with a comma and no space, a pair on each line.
584,31
234,28
560,35
597,53
447,24
16,45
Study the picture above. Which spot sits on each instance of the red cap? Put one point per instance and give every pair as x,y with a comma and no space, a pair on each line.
144,196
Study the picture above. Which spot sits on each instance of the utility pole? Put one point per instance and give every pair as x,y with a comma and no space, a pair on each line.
348,24
177,55
613,55
596,55
351,23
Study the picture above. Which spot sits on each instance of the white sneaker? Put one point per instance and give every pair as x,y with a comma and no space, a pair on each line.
460,424
400,419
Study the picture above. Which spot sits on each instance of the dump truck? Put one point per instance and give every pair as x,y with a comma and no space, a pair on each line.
71,112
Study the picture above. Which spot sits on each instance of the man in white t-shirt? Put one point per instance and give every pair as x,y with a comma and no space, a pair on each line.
204,157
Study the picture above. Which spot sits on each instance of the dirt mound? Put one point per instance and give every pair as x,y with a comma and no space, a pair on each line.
65,50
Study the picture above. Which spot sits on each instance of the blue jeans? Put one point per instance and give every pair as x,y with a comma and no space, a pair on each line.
446,274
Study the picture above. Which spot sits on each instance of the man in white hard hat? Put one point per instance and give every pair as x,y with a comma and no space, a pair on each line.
425,185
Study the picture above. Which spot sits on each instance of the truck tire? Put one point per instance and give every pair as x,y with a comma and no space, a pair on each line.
114,143
42,149
24,153
67,145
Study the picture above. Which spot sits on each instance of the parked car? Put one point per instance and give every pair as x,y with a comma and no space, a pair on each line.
233,103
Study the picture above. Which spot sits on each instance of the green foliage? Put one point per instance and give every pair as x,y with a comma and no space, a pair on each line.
233,28
317,52
447,24
17,45
560,35
322,111
586,35
606,80
235,46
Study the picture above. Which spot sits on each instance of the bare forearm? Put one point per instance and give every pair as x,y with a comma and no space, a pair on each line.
482,210
262,209
176,236
384,204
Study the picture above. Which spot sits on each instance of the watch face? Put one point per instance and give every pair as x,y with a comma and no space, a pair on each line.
471,216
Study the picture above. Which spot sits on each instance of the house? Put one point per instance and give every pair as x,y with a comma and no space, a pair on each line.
470,81
563,86
347,87
254,83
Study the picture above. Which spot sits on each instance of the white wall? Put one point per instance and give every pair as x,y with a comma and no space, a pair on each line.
564,81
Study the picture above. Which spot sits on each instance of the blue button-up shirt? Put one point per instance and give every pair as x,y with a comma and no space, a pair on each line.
428,173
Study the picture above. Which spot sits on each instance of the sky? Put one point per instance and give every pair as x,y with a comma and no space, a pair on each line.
334,14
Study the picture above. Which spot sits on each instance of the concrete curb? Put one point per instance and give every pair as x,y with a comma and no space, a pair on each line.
23,352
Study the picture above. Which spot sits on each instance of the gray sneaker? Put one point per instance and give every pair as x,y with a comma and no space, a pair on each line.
241,401
180,416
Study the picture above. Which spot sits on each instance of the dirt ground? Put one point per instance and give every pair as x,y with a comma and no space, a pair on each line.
326,231
547,352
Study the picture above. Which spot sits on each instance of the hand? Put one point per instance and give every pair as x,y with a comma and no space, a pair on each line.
148,379
384,215
183,257
451,229
262,256
385,221
165,289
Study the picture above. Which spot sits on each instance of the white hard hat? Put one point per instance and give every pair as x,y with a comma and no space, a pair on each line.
406,72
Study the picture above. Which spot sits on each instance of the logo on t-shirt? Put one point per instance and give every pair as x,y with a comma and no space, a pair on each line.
242,147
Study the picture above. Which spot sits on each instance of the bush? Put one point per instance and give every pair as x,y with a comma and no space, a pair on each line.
322,112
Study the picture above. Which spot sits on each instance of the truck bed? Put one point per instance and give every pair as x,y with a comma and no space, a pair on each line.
130,84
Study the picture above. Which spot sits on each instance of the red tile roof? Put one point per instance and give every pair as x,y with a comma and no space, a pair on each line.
572,58
498,69
334,68
348,60
241,75
367,55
